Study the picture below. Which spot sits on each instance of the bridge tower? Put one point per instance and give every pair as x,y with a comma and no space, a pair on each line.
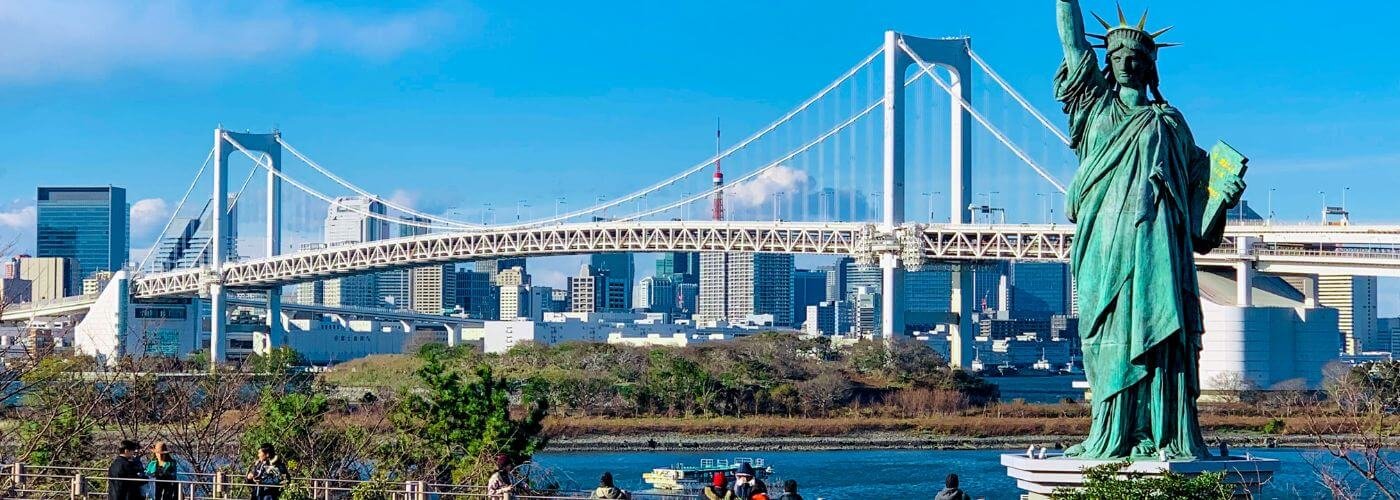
954,55
224,144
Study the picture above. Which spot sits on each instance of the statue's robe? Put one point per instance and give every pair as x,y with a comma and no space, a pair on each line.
1132,258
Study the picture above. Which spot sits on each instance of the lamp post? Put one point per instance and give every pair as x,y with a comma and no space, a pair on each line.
1270,220
930,203
485,209
557,201
1044,207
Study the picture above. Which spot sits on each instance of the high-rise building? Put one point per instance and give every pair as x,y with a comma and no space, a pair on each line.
656,294
493,266
737,285
434,288
90,225
1388,329
1354,298
49,277
514,291
865,317
836,279
1038,289
687,299
94,284
621,270
587,290
349,220
679,267
809,289
477,298
188,246
10,270
395,289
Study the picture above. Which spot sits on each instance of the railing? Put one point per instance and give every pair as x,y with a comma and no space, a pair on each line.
22,481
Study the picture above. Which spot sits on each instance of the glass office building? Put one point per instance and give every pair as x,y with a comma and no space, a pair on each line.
87,224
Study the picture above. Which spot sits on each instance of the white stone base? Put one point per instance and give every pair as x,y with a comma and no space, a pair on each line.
1040,477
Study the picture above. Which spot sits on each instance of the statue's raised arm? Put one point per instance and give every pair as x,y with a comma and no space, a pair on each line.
1072,38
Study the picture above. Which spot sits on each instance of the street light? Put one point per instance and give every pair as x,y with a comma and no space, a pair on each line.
1270,220
1044,207
1345,190
518,205
485,209
930,203
557,201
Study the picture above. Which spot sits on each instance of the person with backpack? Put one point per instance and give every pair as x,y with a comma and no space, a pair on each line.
163,470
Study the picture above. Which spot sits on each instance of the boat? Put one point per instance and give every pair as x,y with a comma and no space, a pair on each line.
692,478
1043,365
1007,369
1071,368
977,365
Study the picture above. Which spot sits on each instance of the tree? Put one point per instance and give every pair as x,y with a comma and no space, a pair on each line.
1108,482
452,429
1359,441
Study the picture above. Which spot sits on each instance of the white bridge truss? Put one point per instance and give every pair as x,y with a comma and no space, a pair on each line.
1272,249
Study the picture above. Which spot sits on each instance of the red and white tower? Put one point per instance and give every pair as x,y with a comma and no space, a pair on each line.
717,212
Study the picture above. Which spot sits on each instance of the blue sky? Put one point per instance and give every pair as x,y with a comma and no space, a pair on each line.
497,101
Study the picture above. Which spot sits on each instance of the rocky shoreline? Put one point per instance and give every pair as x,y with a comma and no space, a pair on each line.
864,441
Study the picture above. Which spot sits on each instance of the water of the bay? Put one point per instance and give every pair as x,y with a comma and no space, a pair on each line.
890,473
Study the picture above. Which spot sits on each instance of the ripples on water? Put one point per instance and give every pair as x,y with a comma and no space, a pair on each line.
887,473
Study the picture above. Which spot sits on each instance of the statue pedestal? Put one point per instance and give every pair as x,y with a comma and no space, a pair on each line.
1040,477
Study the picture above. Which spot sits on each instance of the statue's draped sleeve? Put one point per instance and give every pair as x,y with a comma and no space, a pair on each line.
1080,87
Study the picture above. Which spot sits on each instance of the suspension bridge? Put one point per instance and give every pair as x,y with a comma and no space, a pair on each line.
839,174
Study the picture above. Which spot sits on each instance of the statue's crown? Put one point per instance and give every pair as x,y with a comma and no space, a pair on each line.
1130,35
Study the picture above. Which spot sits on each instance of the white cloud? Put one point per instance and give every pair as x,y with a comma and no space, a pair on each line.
49,40
17,229
759,191
404,198
148,217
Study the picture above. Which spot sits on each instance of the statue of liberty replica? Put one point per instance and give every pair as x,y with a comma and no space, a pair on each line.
1144,200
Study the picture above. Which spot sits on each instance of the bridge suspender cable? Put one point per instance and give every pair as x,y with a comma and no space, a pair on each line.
346,184
711,161
236,196
924,67
809,145
178,206
328,199
1017,96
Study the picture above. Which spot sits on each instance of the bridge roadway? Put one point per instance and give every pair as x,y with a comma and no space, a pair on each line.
1276,249
81,304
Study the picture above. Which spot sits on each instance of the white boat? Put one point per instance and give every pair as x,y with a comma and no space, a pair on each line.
1072,368
1043,364
692,478
977,365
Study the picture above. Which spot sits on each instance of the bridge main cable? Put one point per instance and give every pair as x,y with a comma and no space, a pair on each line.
726,153
178,206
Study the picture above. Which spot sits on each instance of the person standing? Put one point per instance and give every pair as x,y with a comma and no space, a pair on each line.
501,485
606,489
268,475
790,491
746,486
718,489
951,490
163,470
125,476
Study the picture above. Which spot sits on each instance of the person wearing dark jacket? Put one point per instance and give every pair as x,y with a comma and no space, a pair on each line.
746,485
163,470
268,475
951,490
126,477
606,489
790,491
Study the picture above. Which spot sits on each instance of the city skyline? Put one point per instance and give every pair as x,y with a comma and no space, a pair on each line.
441,93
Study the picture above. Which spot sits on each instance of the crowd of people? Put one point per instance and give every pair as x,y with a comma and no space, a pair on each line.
128,477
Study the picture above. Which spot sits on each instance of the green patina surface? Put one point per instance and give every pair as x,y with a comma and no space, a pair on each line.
1144,199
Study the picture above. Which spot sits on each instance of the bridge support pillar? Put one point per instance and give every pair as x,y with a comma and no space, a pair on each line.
276,332
962,331
1244,272
453,334
218,326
